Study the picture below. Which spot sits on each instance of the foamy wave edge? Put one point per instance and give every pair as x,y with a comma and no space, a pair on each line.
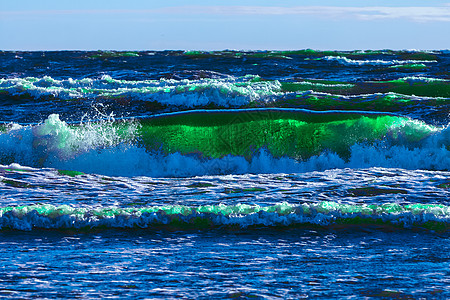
233,91
427,216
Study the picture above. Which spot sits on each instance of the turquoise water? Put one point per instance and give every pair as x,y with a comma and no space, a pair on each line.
291,174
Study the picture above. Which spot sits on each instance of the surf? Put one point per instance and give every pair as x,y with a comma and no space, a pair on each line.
325,214
206,142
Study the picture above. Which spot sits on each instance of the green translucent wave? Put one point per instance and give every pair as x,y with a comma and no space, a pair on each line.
429,216
389,102
410,66
295,133
111,54
409,86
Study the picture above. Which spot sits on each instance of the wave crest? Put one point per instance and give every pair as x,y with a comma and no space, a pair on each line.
430,216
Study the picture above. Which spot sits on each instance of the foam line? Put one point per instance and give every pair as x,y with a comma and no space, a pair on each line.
431,216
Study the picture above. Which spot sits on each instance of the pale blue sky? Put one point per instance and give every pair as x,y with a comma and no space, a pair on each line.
217,25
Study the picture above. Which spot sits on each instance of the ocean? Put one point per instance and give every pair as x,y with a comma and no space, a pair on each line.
225,174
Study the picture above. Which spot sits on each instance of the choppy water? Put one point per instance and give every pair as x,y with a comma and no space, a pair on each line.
225,174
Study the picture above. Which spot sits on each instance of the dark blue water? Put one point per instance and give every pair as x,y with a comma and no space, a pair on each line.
294,263
300,174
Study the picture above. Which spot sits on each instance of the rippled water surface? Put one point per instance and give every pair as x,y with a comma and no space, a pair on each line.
282,263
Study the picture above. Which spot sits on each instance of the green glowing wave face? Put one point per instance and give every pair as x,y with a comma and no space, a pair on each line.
389,102
423,87
427,216
410,66
111,54
296,134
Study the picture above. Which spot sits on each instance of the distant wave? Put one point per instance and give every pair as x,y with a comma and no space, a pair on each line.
375,62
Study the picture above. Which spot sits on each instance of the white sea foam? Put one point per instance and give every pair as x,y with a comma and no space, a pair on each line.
227,92
413,79
375,62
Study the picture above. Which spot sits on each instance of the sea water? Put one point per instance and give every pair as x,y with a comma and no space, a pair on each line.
227,174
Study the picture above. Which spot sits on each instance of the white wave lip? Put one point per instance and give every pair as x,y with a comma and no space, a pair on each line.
414,79
241,215
375,62
187,93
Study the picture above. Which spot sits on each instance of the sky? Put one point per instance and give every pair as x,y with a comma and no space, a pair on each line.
219,25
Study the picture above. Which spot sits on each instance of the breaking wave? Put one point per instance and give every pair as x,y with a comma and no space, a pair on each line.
229,142
428,216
